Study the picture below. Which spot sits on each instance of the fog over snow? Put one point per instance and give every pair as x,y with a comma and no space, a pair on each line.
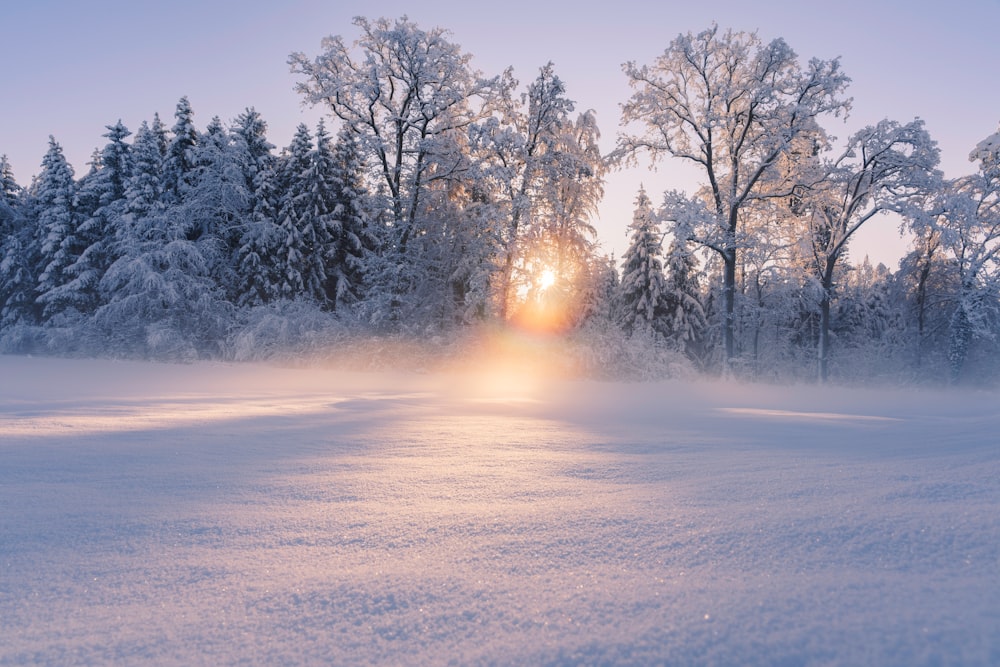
495,514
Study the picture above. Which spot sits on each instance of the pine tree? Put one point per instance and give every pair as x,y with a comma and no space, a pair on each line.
643,285
257,279
320,229
16,252
178,159
255,240
353,240
292,254
144,187
10,191
216,197
101,203
10,194
685,315
250,131
57,227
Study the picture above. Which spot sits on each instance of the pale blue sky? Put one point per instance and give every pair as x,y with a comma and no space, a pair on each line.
70,68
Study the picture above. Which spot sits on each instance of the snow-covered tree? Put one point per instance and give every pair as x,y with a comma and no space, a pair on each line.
883,169
144,188
926,282
10,191
352,238
57,227
255,240
405,92
735,108
296,241
178,158
685,321
643,284
215,195
101,203
17,259
967,216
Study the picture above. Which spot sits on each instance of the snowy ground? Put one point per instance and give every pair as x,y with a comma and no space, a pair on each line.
246,514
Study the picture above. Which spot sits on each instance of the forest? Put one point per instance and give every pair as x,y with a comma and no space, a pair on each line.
441,203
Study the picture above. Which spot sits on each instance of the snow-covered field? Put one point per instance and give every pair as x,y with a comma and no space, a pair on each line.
218,514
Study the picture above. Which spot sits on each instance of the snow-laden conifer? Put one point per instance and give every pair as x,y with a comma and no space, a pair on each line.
643,284
57,227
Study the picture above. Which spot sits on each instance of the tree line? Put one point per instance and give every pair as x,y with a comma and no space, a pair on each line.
446,199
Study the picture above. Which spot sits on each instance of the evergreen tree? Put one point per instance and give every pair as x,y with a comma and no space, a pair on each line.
216,198
643,285
144,188
255,240
101,203
685,315
294,239
17,256
178,159
250,132
57,227
257,279
353,240
10,193
320,229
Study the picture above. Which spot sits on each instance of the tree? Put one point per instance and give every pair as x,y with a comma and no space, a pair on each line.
353,240
927,280
685,319
967,215
178,158
101,203
515,146
57,228
10,191
17,256
255,239
10,201
735,108
884,168
296,238
643,285
144,187
405,92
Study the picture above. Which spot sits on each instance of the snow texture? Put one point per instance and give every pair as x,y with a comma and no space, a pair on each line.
249,514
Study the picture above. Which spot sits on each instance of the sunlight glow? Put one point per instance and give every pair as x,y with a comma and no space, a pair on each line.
547,279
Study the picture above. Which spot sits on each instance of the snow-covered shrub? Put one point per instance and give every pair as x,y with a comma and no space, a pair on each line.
283,330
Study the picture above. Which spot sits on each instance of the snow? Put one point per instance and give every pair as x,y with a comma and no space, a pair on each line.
254,514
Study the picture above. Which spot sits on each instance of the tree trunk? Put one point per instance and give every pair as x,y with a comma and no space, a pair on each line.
823,345
823,348
729,319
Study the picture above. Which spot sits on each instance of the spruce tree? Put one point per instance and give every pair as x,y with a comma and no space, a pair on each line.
57,227
101,203
178,160
354,241
16,252
254,240
144,187
643,284
685,315
292,253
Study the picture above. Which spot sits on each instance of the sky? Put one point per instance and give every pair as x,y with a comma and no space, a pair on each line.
73,68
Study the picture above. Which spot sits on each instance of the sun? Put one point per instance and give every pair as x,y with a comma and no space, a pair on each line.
546,280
